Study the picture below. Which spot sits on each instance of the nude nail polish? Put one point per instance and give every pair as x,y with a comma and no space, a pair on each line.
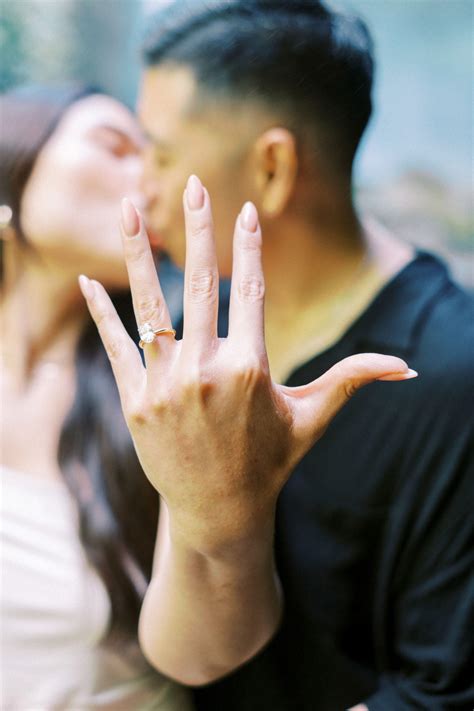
130,220
194,193
86,286
410,373
249,217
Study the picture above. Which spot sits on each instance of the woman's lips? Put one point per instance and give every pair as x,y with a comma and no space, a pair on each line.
156,239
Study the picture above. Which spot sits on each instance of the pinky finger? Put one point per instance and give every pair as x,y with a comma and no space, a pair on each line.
127,366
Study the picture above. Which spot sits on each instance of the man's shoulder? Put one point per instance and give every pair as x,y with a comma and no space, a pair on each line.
428,320
444,337
425,315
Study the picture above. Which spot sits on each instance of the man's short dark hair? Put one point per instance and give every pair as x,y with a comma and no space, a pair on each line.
310,65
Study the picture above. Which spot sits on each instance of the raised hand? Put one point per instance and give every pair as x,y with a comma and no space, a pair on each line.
215,435
217,438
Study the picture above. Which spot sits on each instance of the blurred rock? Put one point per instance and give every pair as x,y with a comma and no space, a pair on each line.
429,214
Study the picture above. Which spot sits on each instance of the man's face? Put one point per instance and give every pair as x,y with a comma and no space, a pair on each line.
213,144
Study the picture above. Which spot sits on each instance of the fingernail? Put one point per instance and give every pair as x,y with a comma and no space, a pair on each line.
86,286
408,375
130,220
194,193
249,217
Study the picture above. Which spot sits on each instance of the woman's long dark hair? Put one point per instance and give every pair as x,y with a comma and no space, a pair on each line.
118,507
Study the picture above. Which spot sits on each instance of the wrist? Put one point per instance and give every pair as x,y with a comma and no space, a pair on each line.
226,542
234,569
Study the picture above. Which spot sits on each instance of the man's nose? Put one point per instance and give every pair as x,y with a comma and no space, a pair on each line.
149,179
149,186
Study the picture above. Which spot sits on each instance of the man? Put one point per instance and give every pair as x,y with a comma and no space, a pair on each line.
267,101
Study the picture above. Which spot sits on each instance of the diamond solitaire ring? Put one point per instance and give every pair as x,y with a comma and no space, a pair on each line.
148,334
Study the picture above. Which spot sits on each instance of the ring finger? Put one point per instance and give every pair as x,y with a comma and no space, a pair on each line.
149,303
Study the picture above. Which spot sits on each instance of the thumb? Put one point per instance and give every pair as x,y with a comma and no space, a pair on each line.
317,403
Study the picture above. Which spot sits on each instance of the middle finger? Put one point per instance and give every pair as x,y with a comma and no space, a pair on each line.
201,284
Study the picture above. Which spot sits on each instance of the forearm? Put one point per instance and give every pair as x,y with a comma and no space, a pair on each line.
204,615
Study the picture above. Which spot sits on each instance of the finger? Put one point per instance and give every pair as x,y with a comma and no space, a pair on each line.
318,402
149,303
122,352
246,312
201,282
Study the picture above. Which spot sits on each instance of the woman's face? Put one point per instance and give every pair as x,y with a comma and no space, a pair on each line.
71,203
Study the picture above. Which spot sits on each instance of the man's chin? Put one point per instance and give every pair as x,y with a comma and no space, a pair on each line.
178,258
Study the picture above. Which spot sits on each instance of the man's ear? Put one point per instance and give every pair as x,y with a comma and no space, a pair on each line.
276,170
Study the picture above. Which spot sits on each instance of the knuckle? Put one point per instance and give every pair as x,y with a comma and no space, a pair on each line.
251,288
136,415
199,390
114,348
137,252
187,390
101,317
150,309
206,390
188,383
249,242
250,373
197,385
350,388
200,230
202,284
160,405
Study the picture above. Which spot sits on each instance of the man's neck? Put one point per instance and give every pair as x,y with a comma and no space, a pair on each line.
306,265
318,282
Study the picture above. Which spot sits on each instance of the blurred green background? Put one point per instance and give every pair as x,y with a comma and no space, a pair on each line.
415,169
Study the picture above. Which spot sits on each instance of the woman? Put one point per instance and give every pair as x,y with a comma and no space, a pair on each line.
78,516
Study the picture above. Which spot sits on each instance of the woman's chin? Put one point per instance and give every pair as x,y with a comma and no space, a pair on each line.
112,275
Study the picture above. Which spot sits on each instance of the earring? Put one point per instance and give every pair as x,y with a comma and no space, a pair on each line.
6,215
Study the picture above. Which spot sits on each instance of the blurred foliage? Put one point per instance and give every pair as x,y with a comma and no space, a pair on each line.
428,213
94,41
13,55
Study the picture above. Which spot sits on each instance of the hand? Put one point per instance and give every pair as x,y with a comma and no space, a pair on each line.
215,435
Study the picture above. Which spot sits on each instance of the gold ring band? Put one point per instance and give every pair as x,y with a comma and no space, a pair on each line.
157,332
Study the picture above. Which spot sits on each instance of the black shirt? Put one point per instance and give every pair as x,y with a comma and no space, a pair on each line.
374,539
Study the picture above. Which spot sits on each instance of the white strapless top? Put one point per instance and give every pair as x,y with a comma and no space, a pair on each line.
55,612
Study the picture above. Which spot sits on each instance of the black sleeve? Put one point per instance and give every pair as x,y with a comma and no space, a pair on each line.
427,659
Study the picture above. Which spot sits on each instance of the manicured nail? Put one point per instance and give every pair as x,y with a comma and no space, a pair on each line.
130,220
408,375
194,193
249,217
86,286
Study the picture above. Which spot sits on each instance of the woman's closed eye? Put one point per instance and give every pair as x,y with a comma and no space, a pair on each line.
115,141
